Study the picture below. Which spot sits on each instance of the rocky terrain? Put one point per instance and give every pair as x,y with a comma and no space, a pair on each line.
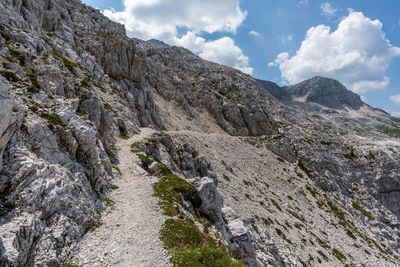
305,175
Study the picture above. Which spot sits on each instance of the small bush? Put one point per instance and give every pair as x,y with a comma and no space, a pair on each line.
363,211
172,189
53,118
109,202
9,75
135,147
276,205
124,136
69,64
339,255
34,87
115,167
191,248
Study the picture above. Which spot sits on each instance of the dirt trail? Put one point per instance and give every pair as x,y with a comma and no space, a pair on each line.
129,235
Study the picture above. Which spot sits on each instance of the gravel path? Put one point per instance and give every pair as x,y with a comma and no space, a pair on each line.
129,235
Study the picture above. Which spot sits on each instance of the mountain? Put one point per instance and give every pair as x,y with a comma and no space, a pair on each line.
157,42
326,92
120,152
322,91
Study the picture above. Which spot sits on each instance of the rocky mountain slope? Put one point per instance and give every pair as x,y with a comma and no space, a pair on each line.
275,183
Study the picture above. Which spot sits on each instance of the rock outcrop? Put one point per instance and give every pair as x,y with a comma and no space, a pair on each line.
302,168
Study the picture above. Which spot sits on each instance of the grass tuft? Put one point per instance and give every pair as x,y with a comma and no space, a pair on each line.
190,247
363,211
53,119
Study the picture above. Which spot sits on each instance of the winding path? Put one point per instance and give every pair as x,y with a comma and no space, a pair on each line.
129,234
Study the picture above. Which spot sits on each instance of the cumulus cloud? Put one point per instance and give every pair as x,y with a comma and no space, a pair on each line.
395,99
182,23
223,51
254,33
357,53
328,10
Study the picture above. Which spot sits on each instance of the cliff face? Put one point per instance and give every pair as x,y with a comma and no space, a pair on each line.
71,83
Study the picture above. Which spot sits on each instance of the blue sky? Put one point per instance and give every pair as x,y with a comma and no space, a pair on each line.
250,34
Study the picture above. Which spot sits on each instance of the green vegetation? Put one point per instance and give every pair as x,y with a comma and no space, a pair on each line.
323,255
313,191
191,248
363,211
135,147
7,36
145,160
393,132
115,167
186,243
350,155
14,55
276,205
109,202
301,165
53,119
86,82
9,75
124,136
226,178
34,87
95,225
172,189
280,159
107,106
69,64
339,255
281,234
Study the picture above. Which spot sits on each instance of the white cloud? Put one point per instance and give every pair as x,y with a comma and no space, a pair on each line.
357,53
303,3
254,33
395,99
166,19
395,114
285,39
328,10
223,51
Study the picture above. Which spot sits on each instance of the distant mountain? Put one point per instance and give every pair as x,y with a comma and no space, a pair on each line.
278,92
157,42
319,90
326,92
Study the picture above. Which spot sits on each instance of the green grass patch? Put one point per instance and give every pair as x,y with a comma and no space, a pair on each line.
115,167
350,155
68,63
172,189
6,35
301,165
109,202
135,147
339,255
53,119
124,136
107,106
364,212
276,205
34,87
9,75
191,248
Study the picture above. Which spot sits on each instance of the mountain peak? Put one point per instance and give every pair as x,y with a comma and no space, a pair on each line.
327,92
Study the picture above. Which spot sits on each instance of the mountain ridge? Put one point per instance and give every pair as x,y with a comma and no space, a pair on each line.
279,185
